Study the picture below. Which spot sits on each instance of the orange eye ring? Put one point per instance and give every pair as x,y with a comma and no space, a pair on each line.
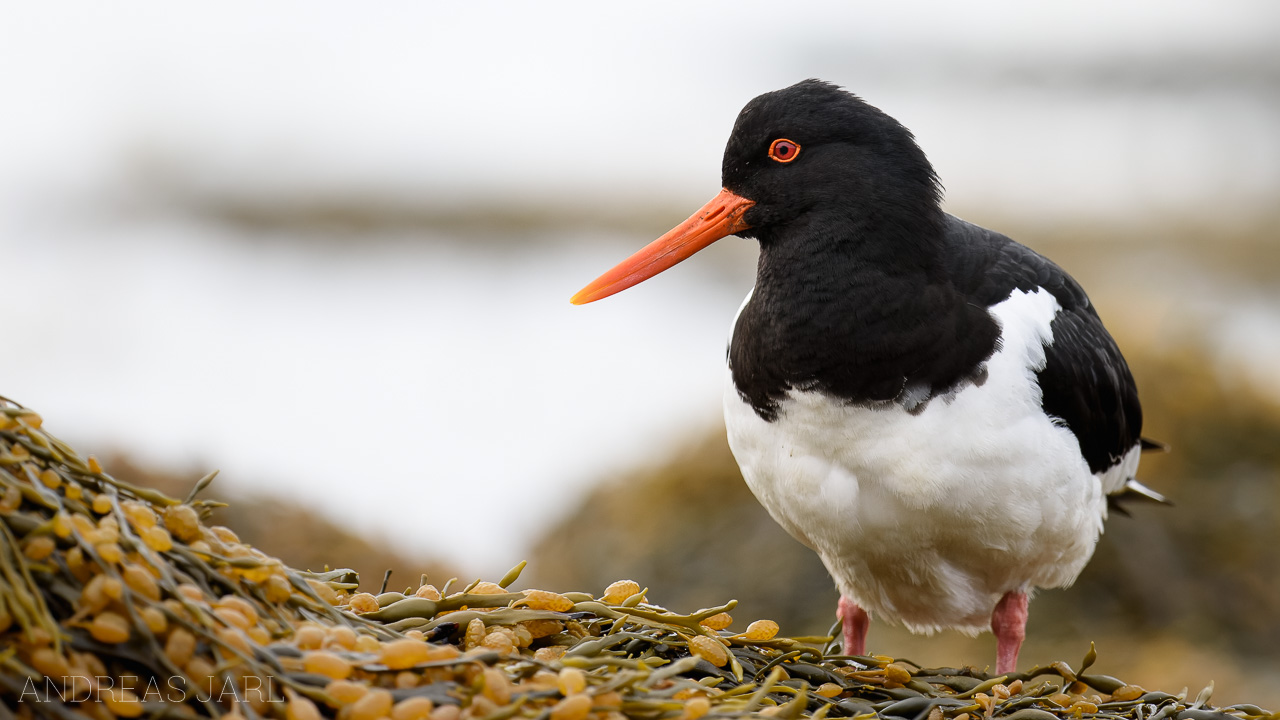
784,150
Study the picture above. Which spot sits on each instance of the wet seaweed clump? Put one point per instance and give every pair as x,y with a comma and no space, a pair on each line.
119,601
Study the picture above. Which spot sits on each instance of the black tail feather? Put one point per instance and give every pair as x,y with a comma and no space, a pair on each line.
1149,444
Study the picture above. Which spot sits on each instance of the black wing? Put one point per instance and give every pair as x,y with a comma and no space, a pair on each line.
1086,383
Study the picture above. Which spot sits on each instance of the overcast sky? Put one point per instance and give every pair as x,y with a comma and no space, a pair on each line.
1106,105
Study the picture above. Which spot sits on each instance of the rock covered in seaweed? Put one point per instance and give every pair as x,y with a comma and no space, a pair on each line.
119,601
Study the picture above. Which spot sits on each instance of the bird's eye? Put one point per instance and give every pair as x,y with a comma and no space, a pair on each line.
783,150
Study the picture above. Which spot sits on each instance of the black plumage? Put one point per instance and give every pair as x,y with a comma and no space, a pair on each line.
881,298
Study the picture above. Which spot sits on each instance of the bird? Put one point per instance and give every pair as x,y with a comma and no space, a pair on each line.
933,408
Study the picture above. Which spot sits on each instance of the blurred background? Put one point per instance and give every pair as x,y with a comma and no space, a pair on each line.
329,251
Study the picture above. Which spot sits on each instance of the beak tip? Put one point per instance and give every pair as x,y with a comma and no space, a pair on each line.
720,217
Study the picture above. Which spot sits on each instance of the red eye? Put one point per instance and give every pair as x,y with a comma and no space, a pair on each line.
783,150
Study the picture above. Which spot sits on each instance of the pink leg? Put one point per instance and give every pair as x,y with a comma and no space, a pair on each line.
1009,623
856,623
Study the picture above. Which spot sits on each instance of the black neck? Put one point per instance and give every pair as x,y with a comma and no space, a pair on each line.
859,311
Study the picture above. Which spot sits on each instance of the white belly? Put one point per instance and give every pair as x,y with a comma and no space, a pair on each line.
928,519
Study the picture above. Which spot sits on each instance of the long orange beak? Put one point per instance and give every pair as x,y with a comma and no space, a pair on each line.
718,218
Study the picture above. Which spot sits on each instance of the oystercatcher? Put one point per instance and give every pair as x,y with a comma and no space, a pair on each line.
934,409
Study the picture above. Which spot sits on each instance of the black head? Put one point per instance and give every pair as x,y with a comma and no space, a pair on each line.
812,172
856,168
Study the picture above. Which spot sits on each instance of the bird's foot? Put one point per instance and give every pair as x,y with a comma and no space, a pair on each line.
1009,623
856,621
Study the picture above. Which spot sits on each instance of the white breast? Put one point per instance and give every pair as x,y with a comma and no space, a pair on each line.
929,518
